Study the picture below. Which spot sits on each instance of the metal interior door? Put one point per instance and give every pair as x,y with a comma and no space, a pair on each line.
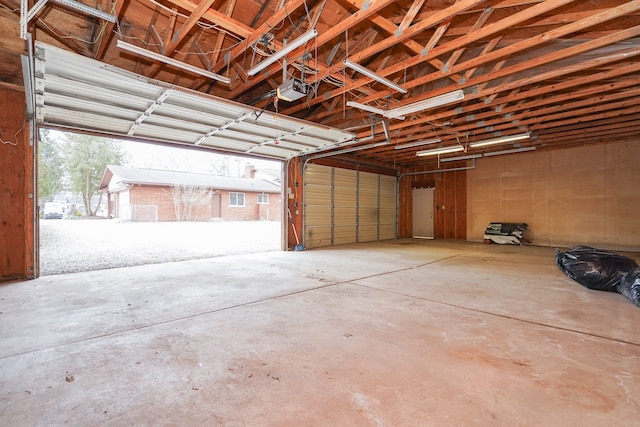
423,213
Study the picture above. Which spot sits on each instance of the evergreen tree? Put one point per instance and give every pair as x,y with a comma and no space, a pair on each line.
86,158
50,167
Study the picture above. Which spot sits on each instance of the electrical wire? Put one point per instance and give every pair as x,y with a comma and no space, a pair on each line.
9,9
199,23
15,137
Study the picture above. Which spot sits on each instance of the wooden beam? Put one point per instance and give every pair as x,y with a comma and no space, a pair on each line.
324,38
410,15
629,126
217,18
106,36
179,35
476,26
254,35
55,33
619,71
533,63
525,114
435,19
590,111
469,38
457,43
561,99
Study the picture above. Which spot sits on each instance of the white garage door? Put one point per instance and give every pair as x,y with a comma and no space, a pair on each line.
81,94
346,206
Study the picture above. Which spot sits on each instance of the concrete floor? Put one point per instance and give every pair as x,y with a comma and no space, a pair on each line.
404,333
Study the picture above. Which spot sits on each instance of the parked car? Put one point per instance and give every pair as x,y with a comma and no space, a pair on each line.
53,210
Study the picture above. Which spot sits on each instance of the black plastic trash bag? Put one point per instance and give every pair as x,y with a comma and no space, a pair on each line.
594,268
630,286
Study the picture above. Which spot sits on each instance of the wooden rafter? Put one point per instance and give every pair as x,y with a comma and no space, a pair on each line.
560,69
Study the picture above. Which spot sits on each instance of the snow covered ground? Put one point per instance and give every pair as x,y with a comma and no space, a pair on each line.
73,245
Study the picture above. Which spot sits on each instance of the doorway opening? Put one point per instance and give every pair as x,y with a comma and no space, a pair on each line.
423,213
122,203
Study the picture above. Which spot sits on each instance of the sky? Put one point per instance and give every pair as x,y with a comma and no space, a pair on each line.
155,156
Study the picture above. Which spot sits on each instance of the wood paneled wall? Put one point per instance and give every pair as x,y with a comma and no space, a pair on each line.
450,205
17,192
585,195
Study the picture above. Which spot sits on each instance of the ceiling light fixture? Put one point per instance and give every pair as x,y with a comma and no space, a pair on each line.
436,101
367,72
370,109
366,107
501,140
88,10
417,143
350,150
441,150
174,62
515,150
303,39
453,159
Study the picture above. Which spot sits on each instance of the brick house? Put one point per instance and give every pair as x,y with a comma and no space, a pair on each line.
136,194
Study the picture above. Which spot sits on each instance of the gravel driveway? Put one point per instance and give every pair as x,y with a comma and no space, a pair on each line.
72,245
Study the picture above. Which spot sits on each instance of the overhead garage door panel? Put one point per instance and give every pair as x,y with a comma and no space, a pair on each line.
367,182
317,175
344,178
344,234
318,216
317,206
388,209
344,216
367,233
368,192
78,93
318,195
346,206
315,236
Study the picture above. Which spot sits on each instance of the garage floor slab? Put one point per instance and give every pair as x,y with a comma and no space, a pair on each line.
401,333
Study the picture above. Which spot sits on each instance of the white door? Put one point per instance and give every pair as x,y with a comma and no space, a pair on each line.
423,213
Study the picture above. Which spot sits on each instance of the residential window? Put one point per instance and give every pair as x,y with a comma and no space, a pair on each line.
236,199
263,198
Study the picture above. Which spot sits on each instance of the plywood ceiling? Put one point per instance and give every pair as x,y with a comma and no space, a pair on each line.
566,72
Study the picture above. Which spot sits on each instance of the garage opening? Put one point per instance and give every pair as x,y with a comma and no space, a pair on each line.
108,203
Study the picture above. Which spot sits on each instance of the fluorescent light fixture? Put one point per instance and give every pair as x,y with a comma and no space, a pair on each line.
417,143
167,60
436,101
387,131
501,140
367,72
515,150
303,39
370,109
88,10
365,107
350,150
453,159
441,150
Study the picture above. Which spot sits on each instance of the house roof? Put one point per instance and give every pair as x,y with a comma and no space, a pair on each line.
156,177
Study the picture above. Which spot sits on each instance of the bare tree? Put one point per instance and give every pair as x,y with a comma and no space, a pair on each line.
221,165
187,199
